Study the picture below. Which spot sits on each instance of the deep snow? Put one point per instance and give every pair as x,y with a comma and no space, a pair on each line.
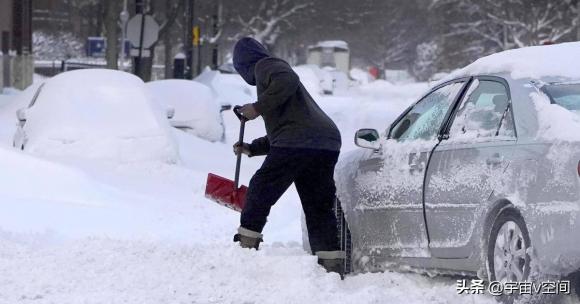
73,231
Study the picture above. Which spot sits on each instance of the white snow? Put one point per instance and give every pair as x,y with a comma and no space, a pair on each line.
98,114
528,62
554,121
194,104
227,87
331,44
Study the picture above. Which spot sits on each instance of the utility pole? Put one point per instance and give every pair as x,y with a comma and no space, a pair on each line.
216,18
139,9
124,17
188,44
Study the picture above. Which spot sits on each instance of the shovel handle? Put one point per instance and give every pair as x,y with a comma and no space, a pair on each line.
239,114
240,140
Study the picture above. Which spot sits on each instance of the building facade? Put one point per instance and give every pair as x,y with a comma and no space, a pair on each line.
17,66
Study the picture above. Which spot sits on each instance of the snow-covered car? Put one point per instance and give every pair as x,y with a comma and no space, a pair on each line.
480,176
94,114
229,89
195,109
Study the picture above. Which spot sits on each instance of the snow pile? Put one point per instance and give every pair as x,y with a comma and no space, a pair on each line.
533,62
314,79
113,271
555,121
98,114
361,76
196,111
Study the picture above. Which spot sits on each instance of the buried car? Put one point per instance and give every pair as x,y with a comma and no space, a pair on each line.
194,106
94,114
480,176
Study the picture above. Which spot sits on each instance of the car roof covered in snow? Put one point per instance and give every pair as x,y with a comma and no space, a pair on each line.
526,70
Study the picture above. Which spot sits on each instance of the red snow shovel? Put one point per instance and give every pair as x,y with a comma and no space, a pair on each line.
225,191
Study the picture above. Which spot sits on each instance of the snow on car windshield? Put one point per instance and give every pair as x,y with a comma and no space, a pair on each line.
566,95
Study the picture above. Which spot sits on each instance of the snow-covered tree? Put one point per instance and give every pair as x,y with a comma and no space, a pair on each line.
426,60
507,24
268,19
59,46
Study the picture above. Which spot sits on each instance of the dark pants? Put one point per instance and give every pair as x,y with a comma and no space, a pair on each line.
312,171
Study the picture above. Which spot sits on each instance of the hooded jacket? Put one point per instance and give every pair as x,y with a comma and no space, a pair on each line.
291,116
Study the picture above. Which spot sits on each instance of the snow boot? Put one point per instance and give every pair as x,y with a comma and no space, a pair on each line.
332,261
248,238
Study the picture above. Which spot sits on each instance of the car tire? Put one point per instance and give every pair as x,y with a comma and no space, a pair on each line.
502,263
515,258
344,236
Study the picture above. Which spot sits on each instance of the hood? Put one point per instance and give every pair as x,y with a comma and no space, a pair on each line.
247,53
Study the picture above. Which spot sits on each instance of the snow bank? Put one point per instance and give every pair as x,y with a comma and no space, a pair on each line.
313,78
361,76
111,271
194,105
533,62
98,114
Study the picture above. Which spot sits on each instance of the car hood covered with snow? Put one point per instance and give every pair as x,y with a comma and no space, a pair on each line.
98,114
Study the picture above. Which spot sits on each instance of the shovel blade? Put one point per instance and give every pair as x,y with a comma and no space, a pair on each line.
223,191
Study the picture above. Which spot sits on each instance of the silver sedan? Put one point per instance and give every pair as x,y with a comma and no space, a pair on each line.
466,182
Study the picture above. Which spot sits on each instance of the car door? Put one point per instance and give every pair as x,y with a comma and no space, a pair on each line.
389,183
467,166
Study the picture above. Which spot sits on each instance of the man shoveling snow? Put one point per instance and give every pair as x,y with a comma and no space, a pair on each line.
302,147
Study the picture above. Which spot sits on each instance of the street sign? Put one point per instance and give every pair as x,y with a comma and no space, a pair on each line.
150,31
96,47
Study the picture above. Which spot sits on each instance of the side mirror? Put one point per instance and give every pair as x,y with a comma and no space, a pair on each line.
21,115
170,112
367,138
225,107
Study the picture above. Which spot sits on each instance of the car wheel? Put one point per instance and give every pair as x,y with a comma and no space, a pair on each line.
344,236
507,256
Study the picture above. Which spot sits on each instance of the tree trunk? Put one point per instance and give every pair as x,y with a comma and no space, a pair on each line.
167,42
111,33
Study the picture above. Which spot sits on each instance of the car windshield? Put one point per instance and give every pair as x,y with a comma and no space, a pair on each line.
566,95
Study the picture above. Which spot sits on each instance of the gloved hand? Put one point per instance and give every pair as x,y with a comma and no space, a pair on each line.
249,112
242,148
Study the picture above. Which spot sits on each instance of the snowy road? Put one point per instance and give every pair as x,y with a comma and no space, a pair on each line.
144,233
